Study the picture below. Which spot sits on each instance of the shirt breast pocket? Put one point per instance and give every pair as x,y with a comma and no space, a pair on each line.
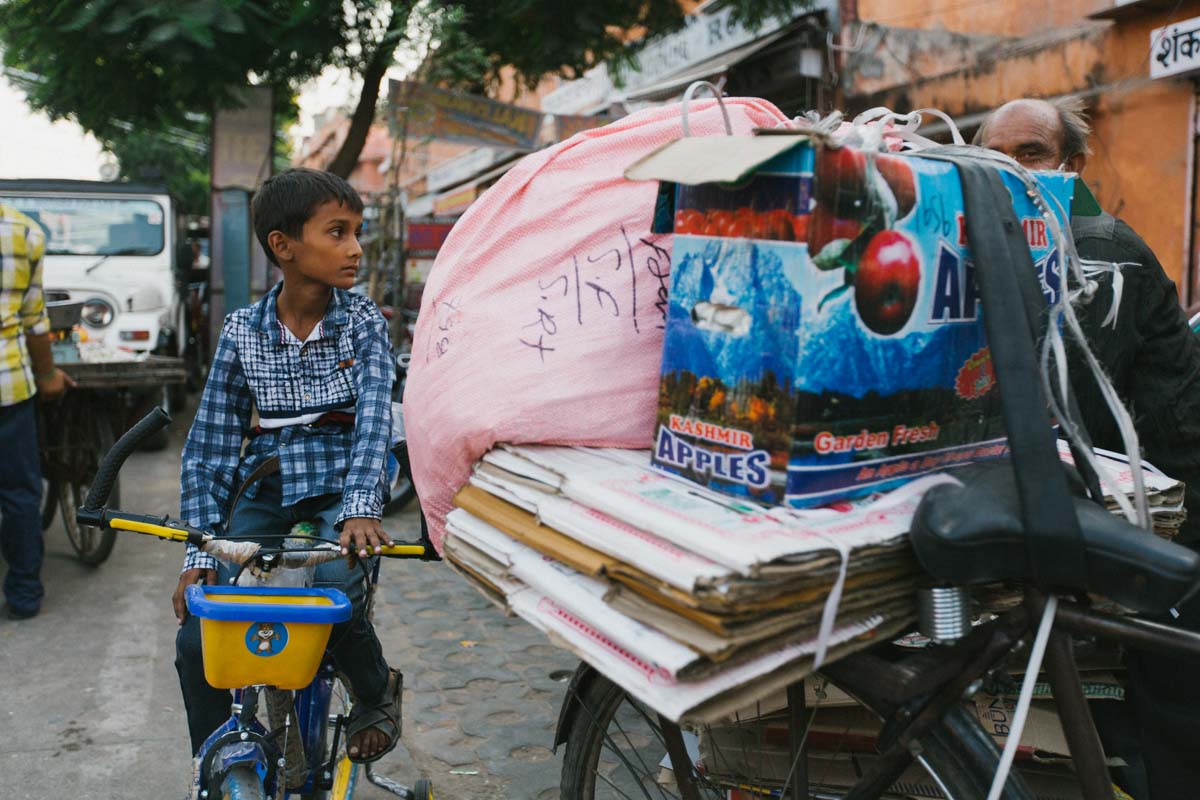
341,384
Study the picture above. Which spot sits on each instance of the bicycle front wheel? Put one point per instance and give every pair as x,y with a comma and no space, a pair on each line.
615,749
242,783
343,773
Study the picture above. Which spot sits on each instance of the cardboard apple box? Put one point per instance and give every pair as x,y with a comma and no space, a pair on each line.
823,336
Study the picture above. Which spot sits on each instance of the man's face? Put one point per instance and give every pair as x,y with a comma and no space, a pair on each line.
1028,133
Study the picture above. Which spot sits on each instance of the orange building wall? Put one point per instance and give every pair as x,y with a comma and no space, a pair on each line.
989,17
1139,167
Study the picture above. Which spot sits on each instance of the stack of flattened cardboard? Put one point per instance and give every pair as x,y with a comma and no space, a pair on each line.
1163,493
695,603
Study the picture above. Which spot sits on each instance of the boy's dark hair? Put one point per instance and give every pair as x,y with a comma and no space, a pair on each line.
286,201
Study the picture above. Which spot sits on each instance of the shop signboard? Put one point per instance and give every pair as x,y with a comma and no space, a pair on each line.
465,118
1175,48
425,237
454,202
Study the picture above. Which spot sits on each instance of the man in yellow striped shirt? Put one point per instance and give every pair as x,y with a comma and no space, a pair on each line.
26,369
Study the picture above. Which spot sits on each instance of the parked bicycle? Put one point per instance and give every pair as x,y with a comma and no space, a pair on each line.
265,638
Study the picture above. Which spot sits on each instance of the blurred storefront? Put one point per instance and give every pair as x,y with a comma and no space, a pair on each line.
786,61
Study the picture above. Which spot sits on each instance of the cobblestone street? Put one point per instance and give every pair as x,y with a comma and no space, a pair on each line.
482,691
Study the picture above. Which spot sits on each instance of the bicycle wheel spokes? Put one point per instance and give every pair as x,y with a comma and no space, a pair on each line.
633,760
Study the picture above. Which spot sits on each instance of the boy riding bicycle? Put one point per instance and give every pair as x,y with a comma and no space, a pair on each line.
314,361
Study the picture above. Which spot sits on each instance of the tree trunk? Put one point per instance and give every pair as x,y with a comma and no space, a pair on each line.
364,114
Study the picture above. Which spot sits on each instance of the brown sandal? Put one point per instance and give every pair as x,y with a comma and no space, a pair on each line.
383,716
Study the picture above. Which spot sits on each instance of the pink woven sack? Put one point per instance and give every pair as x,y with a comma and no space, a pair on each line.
543,316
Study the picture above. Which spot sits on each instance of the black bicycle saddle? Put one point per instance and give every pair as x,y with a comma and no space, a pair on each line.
973,533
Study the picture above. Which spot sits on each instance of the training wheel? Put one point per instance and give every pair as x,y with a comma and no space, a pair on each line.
423,790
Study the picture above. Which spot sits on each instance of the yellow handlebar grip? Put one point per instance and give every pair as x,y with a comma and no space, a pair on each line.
161,531
402,550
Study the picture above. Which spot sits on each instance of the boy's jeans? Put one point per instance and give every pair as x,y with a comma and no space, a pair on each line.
353,643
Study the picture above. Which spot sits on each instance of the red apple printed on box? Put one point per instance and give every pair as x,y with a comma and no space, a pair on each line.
859,196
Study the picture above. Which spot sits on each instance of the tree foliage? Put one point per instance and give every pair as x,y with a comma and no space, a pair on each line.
181,163
149,65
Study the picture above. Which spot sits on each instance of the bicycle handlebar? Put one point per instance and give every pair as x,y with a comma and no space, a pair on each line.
236,551
102,484
94,513
228,549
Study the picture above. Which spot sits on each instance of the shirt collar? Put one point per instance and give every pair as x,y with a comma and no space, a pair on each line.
268,317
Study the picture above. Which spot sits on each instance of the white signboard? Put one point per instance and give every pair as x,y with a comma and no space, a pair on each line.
1175,48
705,36
574,97
242,141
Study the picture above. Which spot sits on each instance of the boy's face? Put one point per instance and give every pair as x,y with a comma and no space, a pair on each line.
327,251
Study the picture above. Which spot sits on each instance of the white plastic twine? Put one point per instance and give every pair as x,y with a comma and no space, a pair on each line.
905,126
955,134
813,121
1031,673
833,602
687,98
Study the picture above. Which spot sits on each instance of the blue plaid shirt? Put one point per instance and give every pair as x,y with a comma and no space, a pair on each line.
258,365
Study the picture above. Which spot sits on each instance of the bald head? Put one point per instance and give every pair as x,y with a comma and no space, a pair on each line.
1038,134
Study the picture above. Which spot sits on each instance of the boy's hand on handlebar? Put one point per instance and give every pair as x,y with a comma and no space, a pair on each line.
186,579
362,536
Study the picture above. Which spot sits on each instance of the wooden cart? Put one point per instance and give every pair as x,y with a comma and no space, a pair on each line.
79,428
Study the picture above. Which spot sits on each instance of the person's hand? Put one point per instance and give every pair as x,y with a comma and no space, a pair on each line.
186,579
362,536
55,385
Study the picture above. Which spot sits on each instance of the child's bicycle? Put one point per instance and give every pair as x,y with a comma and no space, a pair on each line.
265,638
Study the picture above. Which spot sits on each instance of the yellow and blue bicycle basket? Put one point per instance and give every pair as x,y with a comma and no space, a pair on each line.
264,636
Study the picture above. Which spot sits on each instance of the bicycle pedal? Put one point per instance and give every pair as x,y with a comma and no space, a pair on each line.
323,777
389,785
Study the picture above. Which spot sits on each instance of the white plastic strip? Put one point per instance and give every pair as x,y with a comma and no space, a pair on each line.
833,602
1031,674
687,98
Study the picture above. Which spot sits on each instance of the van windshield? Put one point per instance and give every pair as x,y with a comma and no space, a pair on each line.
84,226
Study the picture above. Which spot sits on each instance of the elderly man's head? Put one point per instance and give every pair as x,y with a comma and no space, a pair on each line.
1039,134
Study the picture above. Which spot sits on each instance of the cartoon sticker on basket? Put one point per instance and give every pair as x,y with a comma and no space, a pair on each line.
266,638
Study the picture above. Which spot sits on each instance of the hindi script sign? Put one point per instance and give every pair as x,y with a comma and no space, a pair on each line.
1175,48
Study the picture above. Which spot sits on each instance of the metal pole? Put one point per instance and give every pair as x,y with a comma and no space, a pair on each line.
798,718
1084,742
1140,633
681,763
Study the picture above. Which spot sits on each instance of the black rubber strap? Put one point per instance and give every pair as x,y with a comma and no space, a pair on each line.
268,467
1014,317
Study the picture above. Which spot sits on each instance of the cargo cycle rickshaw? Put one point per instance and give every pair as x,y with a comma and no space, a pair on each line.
1072,576
265,637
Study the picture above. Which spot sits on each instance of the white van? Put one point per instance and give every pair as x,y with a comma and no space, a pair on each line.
113,246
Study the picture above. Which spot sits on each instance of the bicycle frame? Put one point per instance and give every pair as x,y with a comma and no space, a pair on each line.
926,685
312,714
